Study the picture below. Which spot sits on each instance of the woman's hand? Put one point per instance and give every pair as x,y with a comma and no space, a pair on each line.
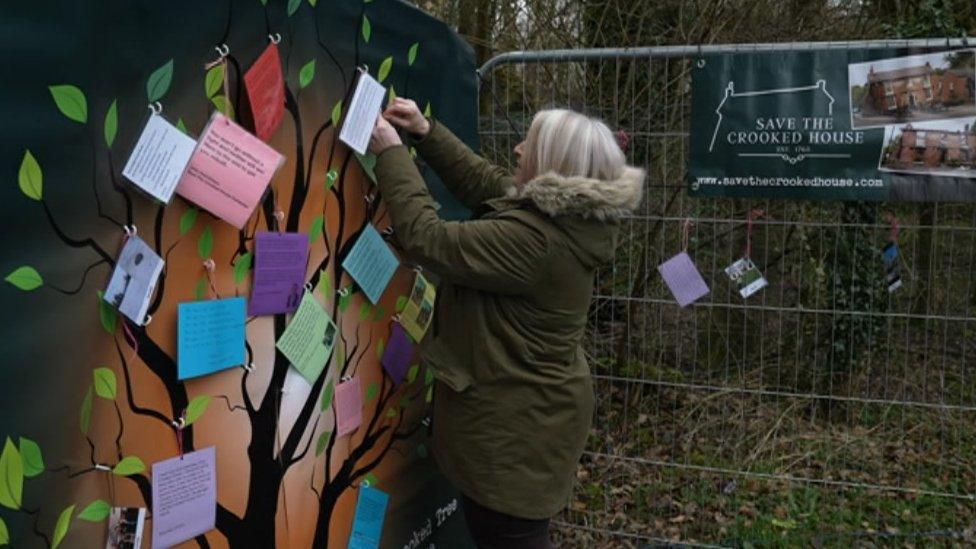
405,114
384,136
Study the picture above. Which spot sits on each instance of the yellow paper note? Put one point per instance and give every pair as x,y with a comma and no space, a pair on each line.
416,316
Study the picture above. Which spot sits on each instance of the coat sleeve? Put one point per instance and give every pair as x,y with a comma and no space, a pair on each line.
501,255
469,176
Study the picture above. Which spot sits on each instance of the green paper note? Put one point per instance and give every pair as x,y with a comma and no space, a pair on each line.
308,339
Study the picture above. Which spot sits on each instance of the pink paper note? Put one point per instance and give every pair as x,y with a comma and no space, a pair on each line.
266,92
229,171
349,406
683,279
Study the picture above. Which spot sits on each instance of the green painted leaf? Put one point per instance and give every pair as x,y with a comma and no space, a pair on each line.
11,476
307,73
422,450
200,291
187,220
413,152
427,110
412,373
25,278
330,179
205,243
384,69
391,412
71,102
30,178
322,443
312,3
214,80
181,126
96,511
340,353
336,114
372,391
401,304
159,81
380,347
344,301
370,479
106,313
4,533
221,103
111,123
263,2
30,454
105,383
61,527
391,94
378,313
430,394
365,308
196,408
130,465
293,6
86,411
315,229
242,266
325,284
412,53
327,393
428,376
367,29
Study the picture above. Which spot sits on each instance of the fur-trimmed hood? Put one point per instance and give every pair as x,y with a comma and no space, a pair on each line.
557,195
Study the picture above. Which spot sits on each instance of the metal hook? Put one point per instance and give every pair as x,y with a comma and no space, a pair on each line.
308,286
210,265
387,230
147,320
156,107
179,423
222,50
100,467
275,38
249,367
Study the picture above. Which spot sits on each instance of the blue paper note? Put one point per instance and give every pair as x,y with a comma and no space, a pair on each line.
367,527
210,336
371,263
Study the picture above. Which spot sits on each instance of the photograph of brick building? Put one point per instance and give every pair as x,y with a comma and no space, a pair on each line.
933,148
922,87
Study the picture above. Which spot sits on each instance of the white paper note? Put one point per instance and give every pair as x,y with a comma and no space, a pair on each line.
158,160
362,113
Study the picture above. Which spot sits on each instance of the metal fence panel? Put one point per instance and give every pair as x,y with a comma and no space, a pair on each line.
821,411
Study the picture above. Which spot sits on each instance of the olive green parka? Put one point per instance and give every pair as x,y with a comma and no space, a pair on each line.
514,399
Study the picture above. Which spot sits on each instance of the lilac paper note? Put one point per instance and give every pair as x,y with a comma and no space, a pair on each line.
349,406
399,351
279,273
683,279
184,497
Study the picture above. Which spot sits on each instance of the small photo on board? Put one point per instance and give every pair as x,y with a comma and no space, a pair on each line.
426,311
125,526
419,288
918,88
943,148
134,279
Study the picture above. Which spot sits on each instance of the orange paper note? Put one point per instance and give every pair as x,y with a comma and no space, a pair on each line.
266,92
229,171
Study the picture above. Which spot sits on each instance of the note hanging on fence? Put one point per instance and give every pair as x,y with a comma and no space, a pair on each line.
371,263
210,336
892,266
280,260
746,276
159,158
416,315
357,126
184,497
367,526
348,406
133,280
397,354
266,92
125,528
308,339
229,171
683,279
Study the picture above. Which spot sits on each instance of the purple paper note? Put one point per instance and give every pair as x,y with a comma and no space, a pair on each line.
349,406
399,351
279,273
683,279
184,497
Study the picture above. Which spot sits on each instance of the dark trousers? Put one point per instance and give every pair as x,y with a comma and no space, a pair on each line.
494,530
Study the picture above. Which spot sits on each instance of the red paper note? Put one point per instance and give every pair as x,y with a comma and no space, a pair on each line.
229,171
266,92
349,406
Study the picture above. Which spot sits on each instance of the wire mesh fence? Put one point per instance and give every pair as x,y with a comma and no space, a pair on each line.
823,410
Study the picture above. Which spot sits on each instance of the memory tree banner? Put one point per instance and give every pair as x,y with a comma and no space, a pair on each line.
835,125
90,399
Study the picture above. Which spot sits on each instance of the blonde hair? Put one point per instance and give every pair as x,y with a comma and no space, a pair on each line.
571,144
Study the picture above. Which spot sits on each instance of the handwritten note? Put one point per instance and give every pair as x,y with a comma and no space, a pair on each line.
184,497
133,280
210,336
279,272
348,406
367,526
683,279
266,92
159,158
361,116
416,316
229,171
371,263
308,339
397,354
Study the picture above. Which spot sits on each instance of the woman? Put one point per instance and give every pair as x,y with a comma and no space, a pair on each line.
514,399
